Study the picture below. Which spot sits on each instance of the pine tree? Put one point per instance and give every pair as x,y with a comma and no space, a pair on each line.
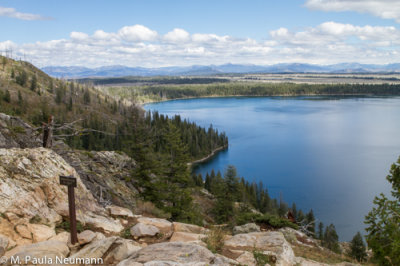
358,250
383,231
7,96
4,62
20,99
22,78
310,220
69,106
33,83
321,231
331,239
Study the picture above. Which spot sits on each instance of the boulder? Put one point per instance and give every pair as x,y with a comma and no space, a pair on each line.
143,230
111,250
271,243
41,232
3,245
163,225
119,211
175,252
186,237
188,228
246,228
86,237
295,236
46,252
246,258
124,248
102,223
63,237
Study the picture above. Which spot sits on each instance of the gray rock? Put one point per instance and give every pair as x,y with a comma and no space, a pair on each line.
246,228
86,237
271,243
143,230
43,250
111,249
3,244
176,252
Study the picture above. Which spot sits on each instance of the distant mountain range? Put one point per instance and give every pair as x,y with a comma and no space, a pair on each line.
197,70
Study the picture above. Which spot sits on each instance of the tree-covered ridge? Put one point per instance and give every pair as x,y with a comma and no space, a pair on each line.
167,92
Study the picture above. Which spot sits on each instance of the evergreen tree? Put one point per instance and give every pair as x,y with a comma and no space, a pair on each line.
4,62
20,99
86,97
321,231
7,96
12,73
33,83
310,220
207,183
331,239
69,106
358,250
22,78
294,210
177,177
383,231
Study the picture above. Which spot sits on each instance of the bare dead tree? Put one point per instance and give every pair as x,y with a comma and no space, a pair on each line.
52,131
48,133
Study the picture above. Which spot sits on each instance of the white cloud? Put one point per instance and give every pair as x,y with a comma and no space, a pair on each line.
387,9
137,33
137,45
13,13
78,36
177,35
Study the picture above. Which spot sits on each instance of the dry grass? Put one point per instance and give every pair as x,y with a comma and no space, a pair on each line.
215,239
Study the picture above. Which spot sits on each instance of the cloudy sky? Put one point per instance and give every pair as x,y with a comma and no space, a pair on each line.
156,33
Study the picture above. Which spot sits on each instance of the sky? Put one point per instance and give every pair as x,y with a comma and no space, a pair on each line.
159,33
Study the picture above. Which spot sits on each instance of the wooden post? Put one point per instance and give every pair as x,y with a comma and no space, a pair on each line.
71,183
48,133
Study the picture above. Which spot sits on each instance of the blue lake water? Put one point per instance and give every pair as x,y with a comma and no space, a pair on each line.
329,154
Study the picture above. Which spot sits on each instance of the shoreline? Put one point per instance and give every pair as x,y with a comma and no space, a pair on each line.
256,96
208,157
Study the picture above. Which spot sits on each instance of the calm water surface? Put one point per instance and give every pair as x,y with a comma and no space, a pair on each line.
328,154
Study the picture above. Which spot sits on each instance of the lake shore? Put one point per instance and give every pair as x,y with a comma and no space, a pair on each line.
208,157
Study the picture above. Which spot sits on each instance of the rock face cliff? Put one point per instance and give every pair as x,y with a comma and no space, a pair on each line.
15,133
32,201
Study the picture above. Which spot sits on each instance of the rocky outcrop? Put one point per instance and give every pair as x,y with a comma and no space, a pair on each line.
116,211
176,252
187,238
163,225
46,252
32,201
107,174
111,250
269,243
246,228
15,133
188,228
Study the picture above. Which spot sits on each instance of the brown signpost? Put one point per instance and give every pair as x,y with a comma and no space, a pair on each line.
70,182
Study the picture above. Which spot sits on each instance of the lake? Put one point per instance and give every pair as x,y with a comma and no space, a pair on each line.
329,154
